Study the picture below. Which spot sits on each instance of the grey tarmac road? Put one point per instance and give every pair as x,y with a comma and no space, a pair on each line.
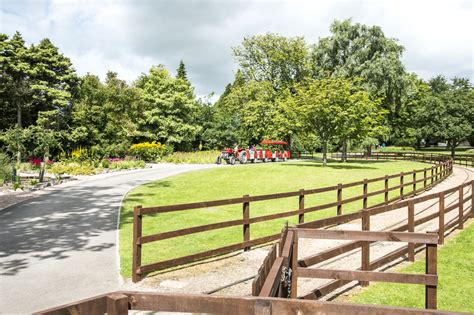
62,247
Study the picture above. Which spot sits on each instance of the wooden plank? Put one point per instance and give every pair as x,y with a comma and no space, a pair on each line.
245,219
191,206
355,275
425,238
441,218
461,208
386,190
187,231
339,200
287,248
294,267
365,252
364,194
93,305
301,206
207,254
431,269
117,304
272,280
411,228
269,217
137,248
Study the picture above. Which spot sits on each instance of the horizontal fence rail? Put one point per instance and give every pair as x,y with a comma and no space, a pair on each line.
119,303
419,180
360,239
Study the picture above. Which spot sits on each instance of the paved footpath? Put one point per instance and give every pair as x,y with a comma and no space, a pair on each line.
62,246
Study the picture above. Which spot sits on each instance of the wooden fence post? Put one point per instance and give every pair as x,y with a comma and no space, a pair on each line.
364,200
431,266
441,219
294,267
432,177
411,228
137,248
117,304
472,199
339,199
461,208
301,207
414,182
386,190
246,218
401,185
424,179
365,258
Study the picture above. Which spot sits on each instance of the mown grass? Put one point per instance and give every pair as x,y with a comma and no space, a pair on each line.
455,280
231,182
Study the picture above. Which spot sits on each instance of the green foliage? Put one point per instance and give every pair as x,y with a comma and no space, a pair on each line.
32,182
149,151
170,109
397,149
105,163
5,168
17,184
198,157
336,109
126,164
72,168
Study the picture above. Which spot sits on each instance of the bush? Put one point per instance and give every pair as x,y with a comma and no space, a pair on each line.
72,169
199,157
127,164
5,168
397,149
105,163
149,151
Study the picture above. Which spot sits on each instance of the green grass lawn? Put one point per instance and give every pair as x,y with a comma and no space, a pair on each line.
455,280
231,182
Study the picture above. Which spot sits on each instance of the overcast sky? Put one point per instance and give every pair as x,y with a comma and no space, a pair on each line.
129,37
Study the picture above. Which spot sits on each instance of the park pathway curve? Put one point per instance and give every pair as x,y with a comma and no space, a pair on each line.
62,246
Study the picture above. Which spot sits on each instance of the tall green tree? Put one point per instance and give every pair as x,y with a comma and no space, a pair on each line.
170,111
336,110
181,72
448,114
274,58
356,50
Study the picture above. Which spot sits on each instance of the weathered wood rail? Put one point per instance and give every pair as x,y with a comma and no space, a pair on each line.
459,159
422,180
463,194
119,303
430,279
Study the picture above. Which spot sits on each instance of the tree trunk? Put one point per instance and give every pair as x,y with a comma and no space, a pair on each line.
453,148
325,153
344,151
43,166
369,150
18,154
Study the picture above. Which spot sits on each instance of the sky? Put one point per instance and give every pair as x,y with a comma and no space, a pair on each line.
129,36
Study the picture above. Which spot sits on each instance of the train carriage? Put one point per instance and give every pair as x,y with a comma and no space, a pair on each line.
272,150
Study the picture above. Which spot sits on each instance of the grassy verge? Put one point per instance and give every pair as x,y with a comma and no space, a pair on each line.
455,276
229,182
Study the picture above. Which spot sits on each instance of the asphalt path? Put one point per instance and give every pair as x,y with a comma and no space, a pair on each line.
62,247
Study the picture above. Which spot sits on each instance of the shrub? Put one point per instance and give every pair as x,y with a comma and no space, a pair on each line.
397,149
199,157
149,151
32,182
105,163
5,168
127,164
72,169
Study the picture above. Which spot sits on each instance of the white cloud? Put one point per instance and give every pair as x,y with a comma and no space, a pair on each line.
128,37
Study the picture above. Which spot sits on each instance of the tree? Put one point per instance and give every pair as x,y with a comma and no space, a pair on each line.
170,110
356,50
274,58
46,137
181,71
335,110
449,112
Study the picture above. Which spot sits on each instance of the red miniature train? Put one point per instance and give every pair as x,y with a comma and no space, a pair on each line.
253,154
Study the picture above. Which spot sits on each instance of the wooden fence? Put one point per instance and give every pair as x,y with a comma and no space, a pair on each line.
459,159
430,279
119,303
422,180
463,214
